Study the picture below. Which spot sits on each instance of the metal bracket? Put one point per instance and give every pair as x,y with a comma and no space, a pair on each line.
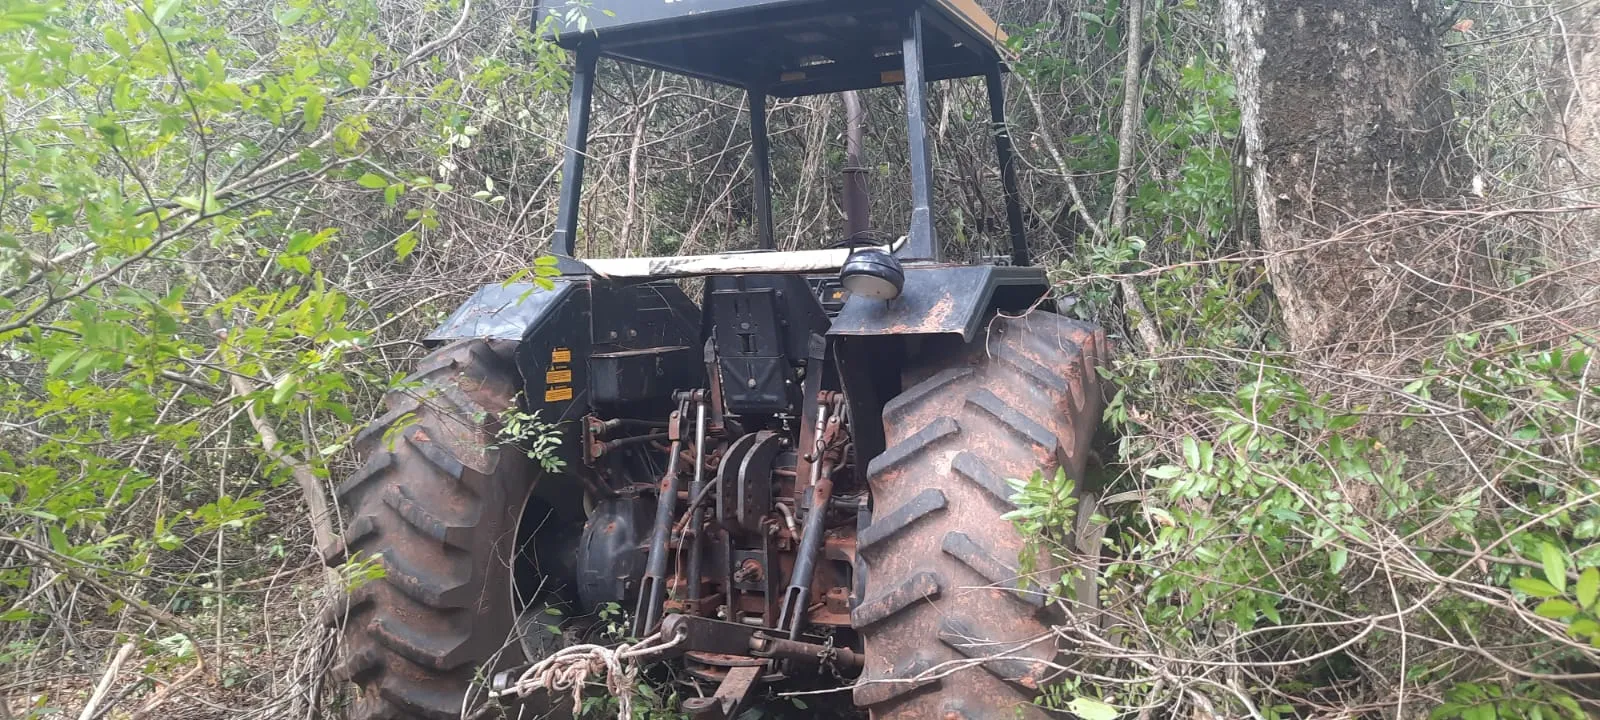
729,698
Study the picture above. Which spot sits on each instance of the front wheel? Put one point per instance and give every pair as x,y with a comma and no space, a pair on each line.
951,629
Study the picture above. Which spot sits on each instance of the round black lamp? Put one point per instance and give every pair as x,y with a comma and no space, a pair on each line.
873,273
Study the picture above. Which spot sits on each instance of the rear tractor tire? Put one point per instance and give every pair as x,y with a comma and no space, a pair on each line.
436,504
943,590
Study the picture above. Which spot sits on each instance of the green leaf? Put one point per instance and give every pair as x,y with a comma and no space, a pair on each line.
1337,559
360,72
302,242
164,10
371,181
404,244
313,111
1588,587
1535,587
58,540
1555,566
1583,627
1556,608
1091,709
59,362
1191,453
1165,472
285,387
21,15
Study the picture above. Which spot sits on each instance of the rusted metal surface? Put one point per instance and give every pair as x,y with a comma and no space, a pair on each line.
725,660
744,489
940,299
724,573
827,454
653,586
764,645
729,698
702,634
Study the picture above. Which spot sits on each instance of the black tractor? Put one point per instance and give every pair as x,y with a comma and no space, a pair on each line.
798,477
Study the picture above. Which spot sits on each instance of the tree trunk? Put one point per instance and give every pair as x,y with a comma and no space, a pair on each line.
1343,118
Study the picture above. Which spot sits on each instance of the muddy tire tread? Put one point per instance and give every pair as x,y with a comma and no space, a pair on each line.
428,504
1023,398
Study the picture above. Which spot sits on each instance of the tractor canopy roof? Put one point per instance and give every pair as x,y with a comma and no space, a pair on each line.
784,48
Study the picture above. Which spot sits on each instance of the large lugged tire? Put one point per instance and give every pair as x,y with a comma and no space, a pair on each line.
436,503
942,572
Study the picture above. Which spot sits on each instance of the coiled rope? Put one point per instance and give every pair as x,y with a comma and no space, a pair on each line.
569,669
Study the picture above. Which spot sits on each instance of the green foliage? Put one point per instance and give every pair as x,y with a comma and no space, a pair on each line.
1307,522
1524,701
539,439
1047,511
1277,498
195,199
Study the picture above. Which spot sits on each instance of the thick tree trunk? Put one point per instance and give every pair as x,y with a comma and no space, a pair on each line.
1343,117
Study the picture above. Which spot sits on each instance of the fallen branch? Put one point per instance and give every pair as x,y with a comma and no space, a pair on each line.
104,686
310,485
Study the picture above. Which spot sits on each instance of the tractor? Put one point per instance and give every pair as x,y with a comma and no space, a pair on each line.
799,473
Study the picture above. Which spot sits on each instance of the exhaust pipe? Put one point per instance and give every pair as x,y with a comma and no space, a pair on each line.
856,207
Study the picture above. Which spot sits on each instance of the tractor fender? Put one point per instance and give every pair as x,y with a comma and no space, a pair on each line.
587,345
503,311
944,299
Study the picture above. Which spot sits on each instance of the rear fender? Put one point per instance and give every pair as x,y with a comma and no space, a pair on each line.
941,299
588,343
875,340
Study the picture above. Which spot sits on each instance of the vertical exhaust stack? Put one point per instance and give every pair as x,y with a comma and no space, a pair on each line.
856,207
869,272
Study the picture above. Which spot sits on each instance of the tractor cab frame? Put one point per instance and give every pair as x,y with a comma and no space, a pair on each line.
793,48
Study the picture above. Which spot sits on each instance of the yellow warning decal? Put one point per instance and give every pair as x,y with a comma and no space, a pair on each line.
558,393
555,377
561,355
